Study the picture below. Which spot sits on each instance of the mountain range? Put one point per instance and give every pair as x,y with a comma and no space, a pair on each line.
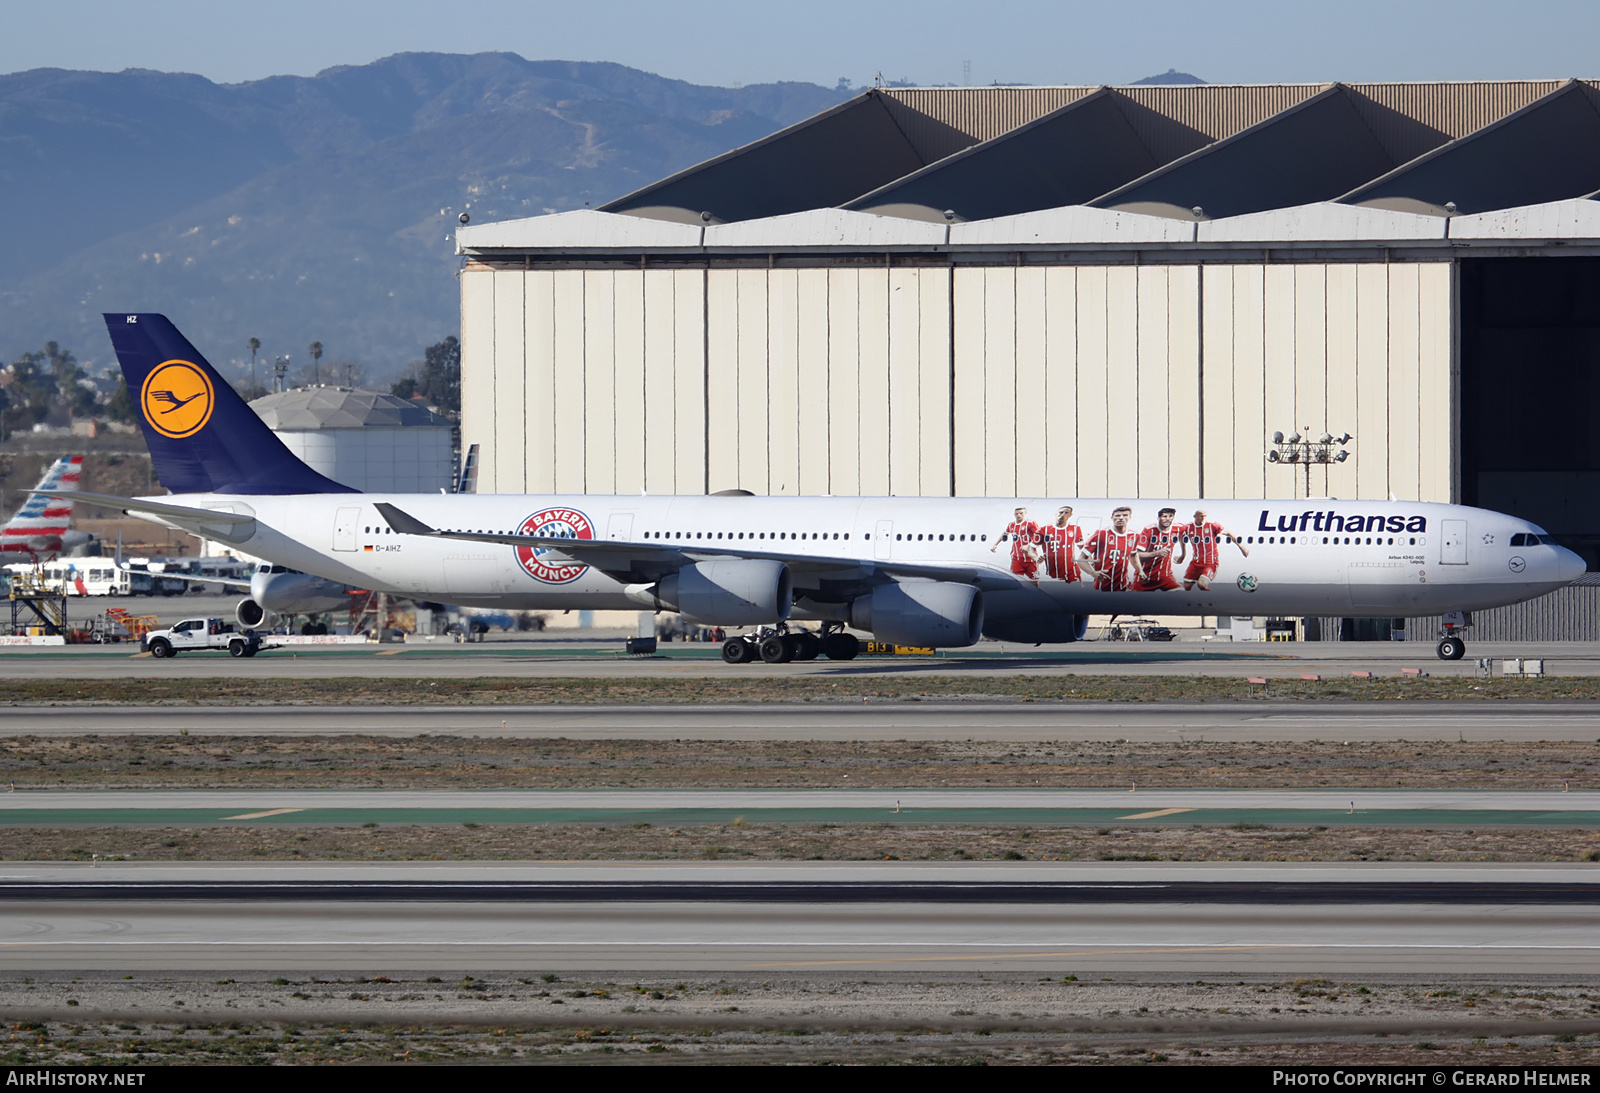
295,209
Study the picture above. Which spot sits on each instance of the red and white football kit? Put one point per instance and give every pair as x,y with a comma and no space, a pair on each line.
1158,571
1204,542
1061,551
1023,536
1113,557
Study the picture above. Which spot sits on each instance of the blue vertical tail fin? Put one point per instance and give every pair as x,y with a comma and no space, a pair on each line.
202,436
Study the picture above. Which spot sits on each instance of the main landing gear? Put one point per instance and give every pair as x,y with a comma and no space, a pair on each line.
779,645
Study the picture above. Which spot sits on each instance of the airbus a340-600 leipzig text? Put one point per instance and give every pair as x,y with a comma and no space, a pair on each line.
914,571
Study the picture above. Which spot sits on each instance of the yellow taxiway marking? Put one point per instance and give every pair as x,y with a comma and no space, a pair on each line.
388,652
1156,814
263,815
1108,951
136,656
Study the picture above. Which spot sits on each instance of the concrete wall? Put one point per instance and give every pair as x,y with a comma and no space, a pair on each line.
1088,380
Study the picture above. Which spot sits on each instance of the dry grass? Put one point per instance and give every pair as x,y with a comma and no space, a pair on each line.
933,686
148,1021
452,762
792,842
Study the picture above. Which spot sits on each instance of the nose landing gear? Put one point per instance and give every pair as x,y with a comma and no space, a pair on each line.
1451,645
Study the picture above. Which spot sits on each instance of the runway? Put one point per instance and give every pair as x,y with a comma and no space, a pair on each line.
1264,720
1366,808
535,657
1044,917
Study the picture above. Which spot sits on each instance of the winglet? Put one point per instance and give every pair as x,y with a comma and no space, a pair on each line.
403,522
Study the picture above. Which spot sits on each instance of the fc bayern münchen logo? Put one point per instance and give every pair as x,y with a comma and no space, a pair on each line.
557,524
1247,583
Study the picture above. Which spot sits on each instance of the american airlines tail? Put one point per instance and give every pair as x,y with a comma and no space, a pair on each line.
41,529
203,437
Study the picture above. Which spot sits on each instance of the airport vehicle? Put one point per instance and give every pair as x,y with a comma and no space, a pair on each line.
194,635
41,529
1140,630
84,577
911,571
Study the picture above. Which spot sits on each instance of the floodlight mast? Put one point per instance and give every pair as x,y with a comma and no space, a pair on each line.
1300,448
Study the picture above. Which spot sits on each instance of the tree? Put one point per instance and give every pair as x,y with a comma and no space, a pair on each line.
316,357
440,382
119,407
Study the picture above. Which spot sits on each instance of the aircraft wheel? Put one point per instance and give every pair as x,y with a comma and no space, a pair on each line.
806,645
161,648
841,647
737,651
1452,649
776,649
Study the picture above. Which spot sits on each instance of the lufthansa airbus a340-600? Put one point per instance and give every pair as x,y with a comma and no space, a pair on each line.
913,571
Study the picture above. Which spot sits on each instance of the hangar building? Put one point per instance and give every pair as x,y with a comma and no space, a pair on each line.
1072,291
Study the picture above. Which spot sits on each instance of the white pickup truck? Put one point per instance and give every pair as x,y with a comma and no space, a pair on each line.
201,634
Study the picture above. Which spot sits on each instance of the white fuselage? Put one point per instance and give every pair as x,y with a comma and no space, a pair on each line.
1307,557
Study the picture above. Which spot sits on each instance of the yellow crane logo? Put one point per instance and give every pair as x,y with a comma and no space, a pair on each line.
177,399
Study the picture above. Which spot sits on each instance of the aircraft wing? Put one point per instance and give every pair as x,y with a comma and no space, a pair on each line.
643,562
226,582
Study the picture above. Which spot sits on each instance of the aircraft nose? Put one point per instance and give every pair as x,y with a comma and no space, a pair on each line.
1569,564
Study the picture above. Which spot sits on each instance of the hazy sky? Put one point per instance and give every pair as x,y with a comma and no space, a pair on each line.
927,42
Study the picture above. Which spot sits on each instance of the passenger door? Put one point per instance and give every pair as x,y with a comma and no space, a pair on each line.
883,541
344,527
1454,548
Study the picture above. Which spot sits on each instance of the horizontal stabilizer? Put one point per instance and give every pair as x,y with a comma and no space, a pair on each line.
134,506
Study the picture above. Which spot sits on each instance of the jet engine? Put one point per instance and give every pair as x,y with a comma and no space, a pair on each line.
1038,629
934,613
735,592
250,614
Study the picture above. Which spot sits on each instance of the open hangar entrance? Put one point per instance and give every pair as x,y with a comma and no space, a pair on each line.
1530,390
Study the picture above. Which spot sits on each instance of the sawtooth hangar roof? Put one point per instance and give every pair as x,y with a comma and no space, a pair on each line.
965,171
981,153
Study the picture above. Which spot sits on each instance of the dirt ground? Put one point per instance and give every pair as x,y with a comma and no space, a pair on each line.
452,762
953,687
887,1018
793,842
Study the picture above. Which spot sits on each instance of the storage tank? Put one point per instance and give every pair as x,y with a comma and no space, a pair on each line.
368,440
